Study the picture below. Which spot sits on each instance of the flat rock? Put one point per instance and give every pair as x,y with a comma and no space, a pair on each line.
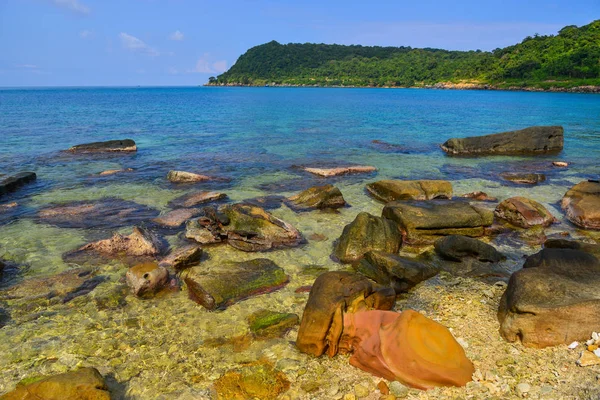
110,146
183,257
219,286
146,279
115,171
108,213
524,212
554,299
523,178
424,222
318,197
400,273
186,177
176,218
582,204
196,198
333,294
532,140
458,247
367,232
82,384
353,169
13,182
390,190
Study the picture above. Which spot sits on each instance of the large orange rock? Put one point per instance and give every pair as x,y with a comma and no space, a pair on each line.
582,205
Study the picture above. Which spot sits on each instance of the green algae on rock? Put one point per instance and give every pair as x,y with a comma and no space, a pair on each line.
319,197
267,324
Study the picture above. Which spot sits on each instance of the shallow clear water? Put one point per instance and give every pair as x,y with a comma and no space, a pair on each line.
254,139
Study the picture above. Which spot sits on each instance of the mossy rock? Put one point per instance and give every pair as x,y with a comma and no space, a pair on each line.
270,324
319,197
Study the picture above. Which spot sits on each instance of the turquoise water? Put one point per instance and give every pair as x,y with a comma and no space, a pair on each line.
253,140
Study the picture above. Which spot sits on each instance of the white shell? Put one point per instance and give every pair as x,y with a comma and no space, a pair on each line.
573,345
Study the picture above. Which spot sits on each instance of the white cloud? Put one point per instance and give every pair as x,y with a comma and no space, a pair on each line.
205,65
177,35
73,5
85,34
136,45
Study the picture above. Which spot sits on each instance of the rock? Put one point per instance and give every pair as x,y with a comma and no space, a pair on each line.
13,182
254,381
554,299
400,273
573,244
424,222
533,140
383,388
407,347
398,389
582,205
588,359
560,164
353,169
366,233
245,227
327,196
147,278
115,171
108,213
523,178
82,384
458,247
141,245
523,388
196,198
524,213
390,190
332,295
176,218
271,324
186,177
361,391
219,286
111,146
182,257
479,196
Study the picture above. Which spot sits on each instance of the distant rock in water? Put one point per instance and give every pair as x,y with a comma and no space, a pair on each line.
13,182
186,177
353,169
105,213
479,196
196,198
524,212
533,140
582,204
111,146
319,197
390,190
523,178
115,171
176,218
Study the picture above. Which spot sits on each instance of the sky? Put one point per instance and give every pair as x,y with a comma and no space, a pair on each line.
183,42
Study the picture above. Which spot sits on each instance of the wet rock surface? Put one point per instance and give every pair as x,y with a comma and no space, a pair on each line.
336,171
458,247
196,198
11,183
110,146
219,286
318,197
532,140
186,177
176,218
146,279
182,257
523,178
424,222
367,232
254,381
390,190
82,384
554,299
581,204
270,324
524,213
107,213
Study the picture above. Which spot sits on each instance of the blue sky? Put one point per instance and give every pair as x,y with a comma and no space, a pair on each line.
183,42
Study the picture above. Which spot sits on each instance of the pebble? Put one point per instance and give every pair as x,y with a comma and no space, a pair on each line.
488,293
573,345
523,389
349,396
398,389
383,388
333,390
546,389
361,391
463,342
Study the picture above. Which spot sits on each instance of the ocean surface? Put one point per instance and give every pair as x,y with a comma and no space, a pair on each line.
253,141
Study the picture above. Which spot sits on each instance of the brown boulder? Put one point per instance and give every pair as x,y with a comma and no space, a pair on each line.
524,213
147,278
390,190
182,257
582,204
176,218
186,177
554,299
326,196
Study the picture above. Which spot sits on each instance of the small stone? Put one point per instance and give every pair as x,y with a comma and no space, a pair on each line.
361,391
523,388
560,164
383,388
333,390
546,389
388,397
573,345
587,359
463,343
597,352
398,389
505,361
488,293
595,336
349,396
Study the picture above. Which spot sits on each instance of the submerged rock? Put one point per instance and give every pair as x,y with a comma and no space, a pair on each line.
327,196
82,384
479,196
533,140
253,381
270,324
219,286
176,218
392,270
367,232
196,198
523,178
353,169
554,299
458,247
183,257
111,146
115,171
390,190
13,182
582,204
108,213
186,177
424,222
524,213
147,278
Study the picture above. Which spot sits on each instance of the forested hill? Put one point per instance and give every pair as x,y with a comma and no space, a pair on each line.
567,59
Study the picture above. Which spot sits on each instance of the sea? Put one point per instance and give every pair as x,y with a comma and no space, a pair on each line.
254,142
